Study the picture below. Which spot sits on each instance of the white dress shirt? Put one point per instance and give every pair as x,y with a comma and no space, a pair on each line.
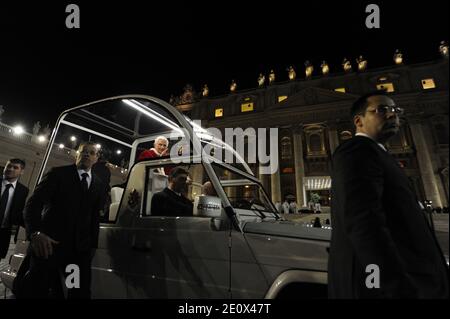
379,144
10,197
88,179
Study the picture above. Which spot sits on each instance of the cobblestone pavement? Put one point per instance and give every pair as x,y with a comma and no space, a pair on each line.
441,222
4,264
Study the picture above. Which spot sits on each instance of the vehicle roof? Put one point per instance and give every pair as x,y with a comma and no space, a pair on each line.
132,120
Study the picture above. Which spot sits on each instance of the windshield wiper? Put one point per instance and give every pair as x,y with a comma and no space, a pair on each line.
260,212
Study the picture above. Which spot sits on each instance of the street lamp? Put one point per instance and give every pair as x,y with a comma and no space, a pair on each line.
61,146
18,130
41,139
118,152
73,141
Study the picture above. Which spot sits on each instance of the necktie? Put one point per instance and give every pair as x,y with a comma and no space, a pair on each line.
84,183
4,202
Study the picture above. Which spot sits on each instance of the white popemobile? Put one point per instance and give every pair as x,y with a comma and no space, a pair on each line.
234,246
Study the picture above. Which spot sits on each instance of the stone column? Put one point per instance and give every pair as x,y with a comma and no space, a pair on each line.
276,186
442,191
425,165
299,166
444,176
231,191
333,138
264,179
197,177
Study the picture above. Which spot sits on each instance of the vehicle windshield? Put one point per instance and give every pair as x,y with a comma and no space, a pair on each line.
244,193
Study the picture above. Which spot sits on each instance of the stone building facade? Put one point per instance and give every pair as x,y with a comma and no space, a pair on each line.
312,117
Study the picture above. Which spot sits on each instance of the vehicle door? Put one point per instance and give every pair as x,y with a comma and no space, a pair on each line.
176,256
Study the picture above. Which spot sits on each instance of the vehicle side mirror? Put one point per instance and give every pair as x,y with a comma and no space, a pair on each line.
207,206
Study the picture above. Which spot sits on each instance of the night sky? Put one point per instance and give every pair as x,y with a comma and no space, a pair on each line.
156,49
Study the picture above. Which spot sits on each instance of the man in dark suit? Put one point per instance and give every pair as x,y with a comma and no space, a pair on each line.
381,244
12,201
62,223
172,201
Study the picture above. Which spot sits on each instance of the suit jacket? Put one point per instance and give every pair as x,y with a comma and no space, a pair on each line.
14,217
167,203
59,209
376,219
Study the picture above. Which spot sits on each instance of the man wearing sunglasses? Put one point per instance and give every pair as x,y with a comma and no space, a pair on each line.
381,244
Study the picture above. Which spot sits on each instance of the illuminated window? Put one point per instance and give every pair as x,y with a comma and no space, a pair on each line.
388,87
340,90
218,112
247,99
247,107
282,98
428,84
